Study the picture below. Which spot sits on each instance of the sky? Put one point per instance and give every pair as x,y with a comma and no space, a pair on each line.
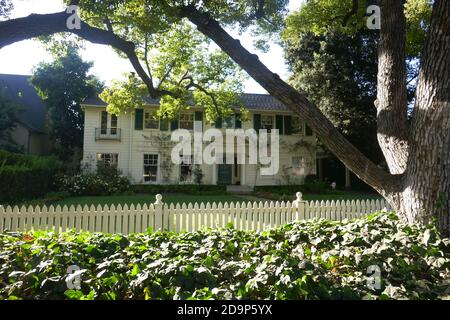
21,57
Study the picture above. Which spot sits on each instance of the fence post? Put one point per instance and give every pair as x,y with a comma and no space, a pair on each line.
299,203
158,212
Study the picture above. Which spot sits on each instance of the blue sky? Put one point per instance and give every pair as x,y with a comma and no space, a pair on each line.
19,58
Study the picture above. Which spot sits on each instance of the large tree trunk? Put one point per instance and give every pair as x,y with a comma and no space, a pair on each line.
426,192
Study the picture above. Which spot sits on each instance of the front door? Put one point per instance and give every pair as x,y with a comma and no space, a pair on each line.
225,174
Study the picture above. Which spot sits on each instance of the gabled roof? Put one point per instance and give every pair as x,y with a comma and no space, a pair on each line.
252,101
33,112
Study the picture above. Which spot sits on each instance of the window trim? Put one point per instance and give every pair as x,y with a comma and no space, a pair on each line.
149,112
157,168
190,114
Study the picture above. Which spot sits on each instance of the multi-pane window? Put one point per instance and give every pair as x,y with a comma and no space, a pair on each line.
104,123
298,166
266,122
186,168
150,167
150,121
187,121
110,159
297,126
113,124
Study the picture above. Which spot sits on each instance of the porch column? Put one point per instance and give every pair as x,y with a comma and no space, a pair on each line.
348,183
243,174
214,173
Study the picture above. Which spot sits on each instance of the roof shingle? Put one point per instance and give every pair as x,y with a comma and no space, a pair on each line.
252,101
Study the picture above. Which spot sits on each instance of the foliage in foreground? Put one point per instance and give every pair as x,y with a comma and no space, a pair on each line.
316,259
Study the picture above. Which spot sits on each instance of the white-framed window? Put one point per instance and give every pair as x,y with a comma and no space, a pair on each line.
185,168
150,167
187,121
150,121
111,159
297,126
298,166
267,122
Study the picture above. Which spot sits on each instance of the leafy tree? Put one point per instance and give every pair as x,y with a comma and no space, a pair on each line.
8,119
339,74
63,84
6,7
333,58
419,193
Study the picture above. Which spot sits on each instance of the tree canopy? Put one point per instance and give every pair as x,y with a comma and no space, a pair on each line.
63,84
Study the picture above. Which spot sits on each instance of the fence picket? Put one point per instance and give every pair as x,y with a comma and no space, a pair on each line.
126,219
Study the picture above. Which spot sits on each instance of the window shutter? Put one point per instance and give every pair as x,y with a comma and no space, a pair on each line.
279,124
174,124
218,123
288,125
308,131
163,124
237,121
199,117
138,119
257,122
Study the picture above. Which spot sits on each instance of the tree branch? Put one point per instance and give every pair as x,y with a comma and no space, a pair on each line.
381,180
351,13
36,25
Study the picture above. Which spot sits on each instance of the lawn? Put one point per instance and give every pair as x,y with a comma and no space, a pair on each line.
146,198
184,198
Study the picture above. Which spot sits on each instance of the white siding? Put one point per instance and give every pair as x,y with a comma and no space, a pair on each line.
135,143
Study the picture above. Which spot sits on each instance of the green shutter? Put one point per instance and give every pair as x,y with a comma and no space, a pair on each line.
218,123
138,119
199,117
237,121
174,124
287,125
163,124
279,124
308,130
257,122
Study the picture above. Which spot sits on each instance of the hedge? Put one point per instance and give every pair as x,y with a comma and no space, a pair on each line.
312,187
316,259
179,188
25,176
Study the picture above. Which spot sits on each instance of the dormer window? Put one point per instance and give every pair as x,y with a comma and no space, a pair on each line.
267,122
150,121
187,121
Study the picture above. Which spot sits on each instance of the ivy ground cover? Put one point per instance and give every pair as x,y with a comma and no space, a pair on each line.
315,259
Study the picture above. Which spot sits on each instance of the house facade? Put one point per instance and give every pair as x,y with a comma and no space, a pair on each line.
140,146
30,134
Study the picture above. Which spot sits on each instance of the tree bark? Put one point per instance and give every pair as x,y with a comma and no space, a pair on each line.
426,192
392,100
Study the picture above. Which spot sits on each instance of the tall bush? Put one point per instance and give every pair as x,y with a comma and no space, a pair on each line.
26,177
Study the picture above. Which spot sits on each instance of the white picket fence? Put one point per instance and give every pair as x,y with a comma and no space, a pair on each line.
186,217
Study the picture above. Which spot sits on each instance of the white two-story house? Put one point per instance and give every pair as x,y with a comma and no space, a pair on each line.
139,145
